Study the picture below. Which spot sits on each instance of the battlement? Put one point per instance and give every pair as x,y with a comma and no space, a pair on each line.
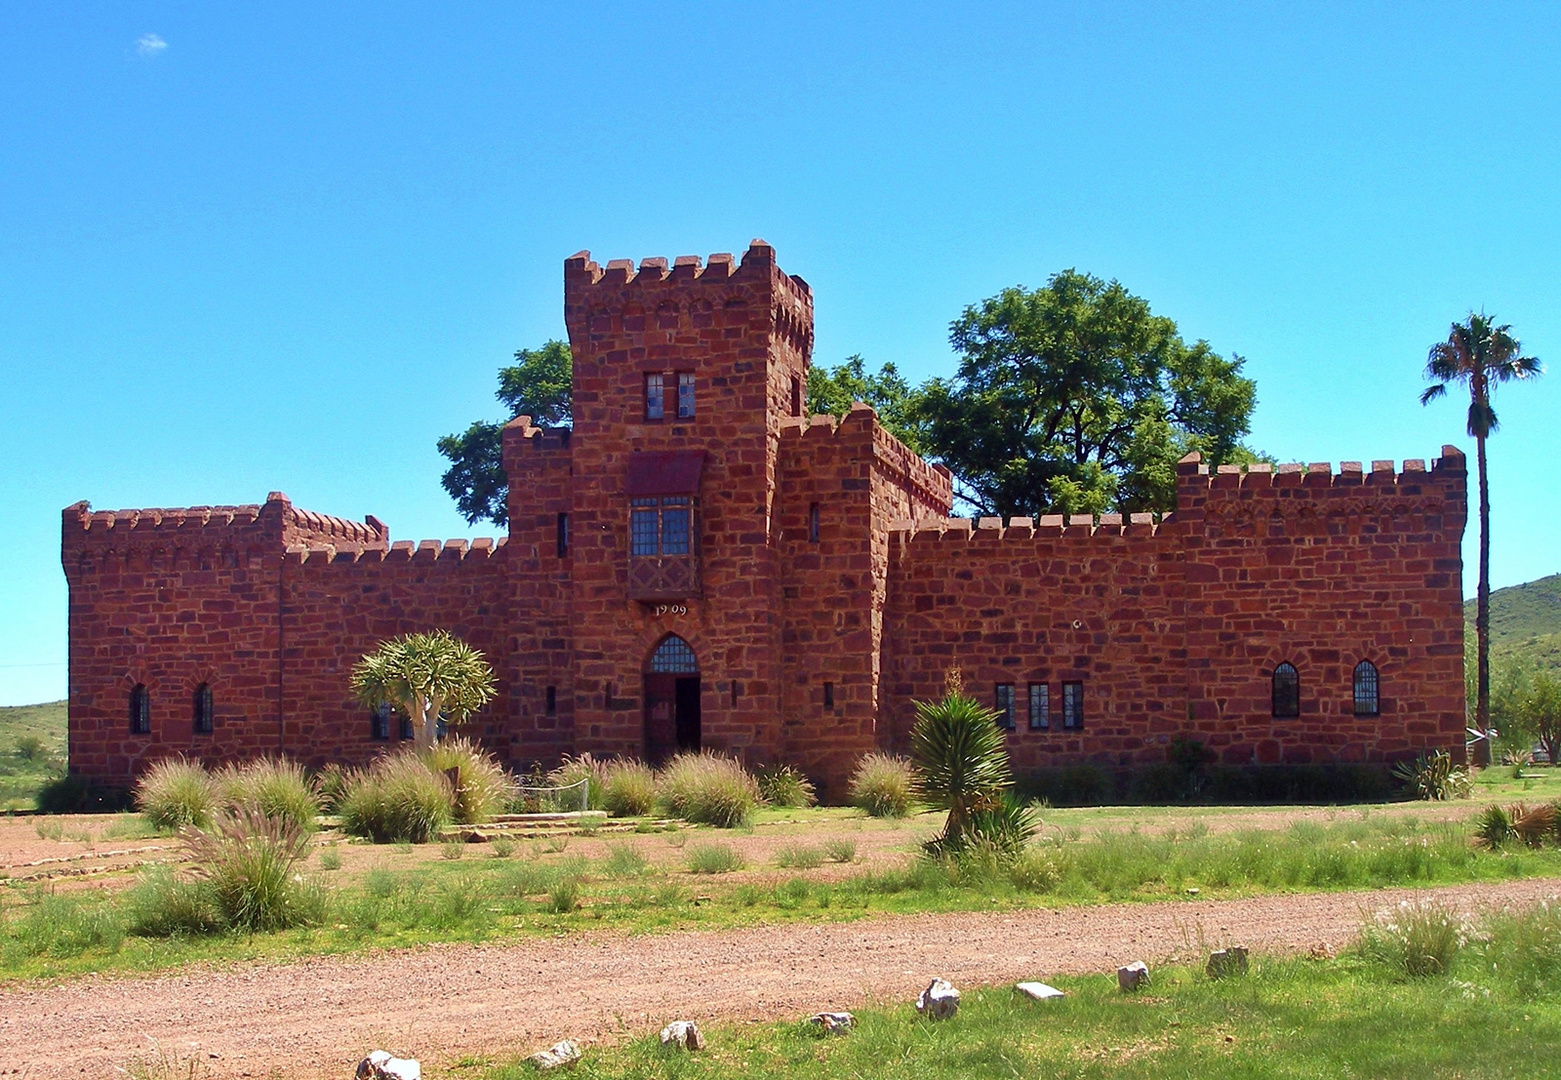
445,552
1193,476
581,272
957,530
932,483
276,516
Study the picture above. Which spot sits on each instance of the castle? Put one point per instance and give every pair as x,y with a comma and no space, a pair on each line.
700,564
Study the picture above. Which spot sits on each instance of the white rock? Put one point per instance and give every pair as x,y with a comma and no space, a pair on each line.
1038,991
1134,976
939,1001
1225,962
684,1033
562,1053
833,1022
381,1065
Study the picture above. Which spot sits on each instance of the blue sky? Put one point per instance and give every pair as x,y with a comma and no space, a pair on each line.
286,247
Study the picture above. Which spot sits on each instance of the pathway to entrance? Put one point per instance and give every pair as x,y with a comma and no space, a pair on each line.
316,1018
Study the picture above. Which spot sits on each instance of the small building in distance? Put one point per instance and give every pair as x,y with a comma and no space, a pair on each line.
699,564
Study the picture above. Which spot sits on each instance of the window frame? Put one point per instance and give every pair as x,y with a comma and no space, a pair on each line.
813,522
202,710
379,722
655,395
796,395
1073,705
1040,706
1003,705
685,395
1290,707
658,509
829,694
562,537
139,703
1367,676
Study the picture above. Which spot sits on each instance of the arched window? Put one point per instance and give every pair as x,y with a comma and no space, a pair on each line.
1287,690
1367,702
140,711
201,713
674,657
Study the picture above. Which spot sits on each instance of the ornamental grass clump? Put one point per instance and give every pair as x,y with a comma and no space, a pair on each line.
786,786
883,785
398,798
272,787
1416,939
246,861
176,792
481,787
582,769
628,788
708,789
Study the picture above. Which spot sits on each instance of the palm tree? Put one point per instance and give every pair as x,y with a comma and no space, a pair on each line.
427,676
1479,354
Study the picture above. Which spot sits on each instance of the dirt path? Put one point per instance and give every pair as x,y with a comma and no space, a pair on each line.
315,1018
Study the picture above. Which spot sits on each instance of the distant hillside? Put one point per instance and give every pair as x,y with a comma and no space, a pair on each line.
32,750
1521,612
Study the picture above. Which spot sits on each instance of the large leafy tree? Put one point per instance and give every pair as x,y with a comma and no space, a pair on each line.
537,385
427,676
834,390
1479,355
1075,397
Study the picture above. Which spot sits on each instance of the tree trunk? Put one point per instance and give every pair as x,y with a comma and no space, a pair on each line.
1482,614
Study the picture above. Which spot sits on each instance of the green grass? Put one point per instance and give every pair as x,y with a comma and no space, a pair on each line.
32,751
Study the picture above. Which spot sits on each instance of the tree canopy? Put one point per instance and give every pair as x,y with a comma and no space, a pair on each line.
427,676
537,385
834,390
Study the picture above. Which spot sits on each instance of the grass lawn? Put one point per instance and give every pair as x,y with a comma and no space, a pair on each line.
32,751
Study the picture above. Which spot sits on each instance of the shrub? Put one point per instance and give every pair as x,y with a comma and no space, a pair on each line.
1434,776
1035,871
453,849
625,860
1523,947
175,792
163,905
882,785
783,785
709,789
332,783
713,859
799,856
1493,828
841,849
481,787
1068,785
330,860
628,788
1534,826
273,787
73,794
564,896
248,860
503,847
1415,939
398,798
575,769
1002,827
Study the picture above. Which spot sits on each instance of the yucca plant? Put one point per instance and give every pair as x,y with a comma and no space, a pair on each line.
1533,826
1434,776
961,760
1493,828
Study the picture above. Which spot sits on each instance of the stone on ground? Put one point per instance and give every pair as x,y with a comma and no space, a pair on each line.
833,1022
382,1065
939,1001
562,1053
1038,991
1134,976
1227,962
683,1033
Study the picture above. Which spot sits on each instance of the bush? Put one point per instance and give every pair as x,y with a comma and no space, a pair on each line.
883,785
73,794
799,856
709,789
332,783
1493,828
247,860
481,787
1434,776
1416,939
1523,947
841,849
273,787
1068,785
783,785
1002,829
628,788
164,905
575,769
713,859
175,792
397,798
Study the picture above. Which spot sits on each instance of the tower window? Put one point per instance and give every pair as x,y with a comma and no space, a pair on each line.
1072,704
829,695
796,396
655,396
1004,702
1287,691
685,395
379,722
1040,706
813,523
140,711
563,535
659,526
201,713
1367,702
551,705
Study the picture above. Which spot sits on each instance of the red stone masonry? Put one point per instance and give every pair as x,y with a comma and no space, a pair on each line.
829,587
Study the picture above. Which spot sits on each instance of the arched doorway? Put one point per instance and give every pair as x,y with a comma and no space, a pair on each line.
671,699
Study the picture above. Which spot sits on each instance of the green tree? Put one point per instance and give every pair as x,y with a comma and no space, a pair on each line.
537,385
1076,397
1539,712
1479,355
427,676
834,390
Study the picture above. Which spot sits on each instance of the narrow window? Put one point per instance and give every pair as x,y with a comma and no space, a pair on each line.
796,396
829,695
685,395
379,722
1072,704
552,701
140,711
734,693
655,396
1005,705
563,535
1366,701
1287,691
200,719
674,526
813,523
406,729
643,526
1040,706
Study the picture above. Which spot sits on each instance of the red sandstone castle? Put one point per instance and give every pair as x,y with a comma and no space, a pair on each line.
700,564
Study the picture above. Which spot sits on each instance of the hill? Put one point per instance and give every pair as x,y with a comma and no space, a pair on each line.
32,750
1522,612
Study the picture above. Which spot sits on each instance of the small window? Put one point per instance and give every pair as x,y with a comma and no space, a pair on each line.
379,722
1040,706
796,396
685,395
655,396
1072,704
1004,704
1366,699
1287,691
734,693
674,656
140,711
813,523
406,729
829,695
552,701
660,526
563,535
201,713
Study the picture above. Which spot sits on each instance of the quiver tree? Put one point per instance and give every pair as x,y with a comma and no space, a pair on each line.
427,676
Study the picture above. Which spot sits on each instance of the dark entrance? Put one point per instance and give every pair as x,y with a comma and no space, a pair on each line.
671,700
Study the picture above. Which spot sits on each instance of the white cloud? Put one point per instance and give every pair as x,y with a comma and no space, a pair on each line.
150,44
